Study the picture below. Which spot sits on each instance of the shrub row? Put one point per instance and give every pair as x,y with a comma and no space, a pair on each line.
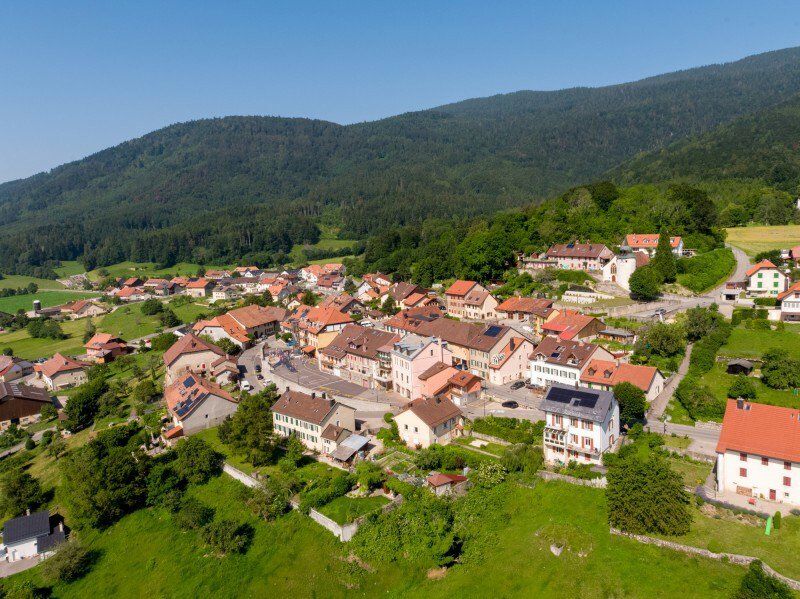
512,430
704,271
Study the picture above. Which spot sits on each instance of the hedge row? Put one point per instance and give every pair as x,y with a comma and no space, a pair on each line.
705,271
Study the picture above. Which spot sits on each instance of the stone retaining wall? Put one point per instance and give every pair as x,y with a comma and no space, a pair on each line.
742,560
597,483
490,438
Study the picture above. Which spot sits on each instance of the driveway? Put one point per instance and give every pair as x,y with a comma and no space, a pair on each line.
659,404
10,568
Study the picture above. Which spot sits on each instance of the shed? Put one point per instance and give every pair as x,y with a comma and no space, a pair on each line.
739,366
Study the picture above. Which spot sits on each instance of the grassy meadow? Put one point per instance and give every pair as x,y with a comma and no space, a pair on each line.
763,238
14,303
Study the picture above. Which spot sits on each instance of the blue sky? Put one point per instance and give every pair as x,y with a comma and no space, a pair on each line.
76,77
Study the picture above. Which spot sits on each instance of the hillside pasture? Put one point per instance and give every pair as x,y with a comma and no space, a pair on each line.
762,238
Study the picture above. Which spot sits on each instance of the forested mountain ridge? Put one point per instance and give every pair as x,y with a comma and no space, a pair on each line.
250,187
763,145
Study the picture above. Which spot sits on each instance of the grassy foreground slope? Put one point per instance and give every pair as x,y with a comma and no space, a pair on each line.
145,555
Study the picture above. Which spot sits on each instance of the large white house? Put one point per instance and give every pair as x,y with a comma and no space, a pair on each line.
31,535
580,424
758,453
560,361
765,279
309,417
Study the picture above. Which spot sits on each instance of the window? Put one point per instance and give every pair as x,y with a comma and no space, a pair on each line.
742,457
787,481
415,430
787,465
405,427
743,472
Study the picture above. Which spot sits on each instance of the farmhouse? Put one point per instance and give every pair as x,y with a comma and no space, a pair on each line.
82,309
579,256
61,372
758,453
21,404
765,279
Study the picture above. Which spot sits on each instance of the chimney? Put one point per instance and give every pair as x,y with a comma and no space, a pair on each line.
313,395
61,526
287,388
324,395
739,404
27,511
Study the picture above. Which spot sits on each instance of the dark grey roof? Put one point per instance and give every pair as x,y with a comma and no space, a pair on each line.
618,332
589,404
26,527
741,362
48,542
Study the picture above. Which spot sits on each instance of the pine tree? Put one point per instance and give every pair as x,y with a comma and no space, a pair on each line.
664,261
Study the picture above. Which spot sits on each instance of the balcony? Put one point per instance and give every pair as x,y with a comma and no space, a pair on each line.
555,436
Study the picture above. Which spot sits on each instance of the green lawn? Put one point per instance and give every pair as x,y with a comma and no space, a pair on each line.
17,281
693,472
344,510
676,442
29,348
128,322
145,555
211,437
493,448
148,269
726,534
760,239
69,268
751,343
50,298
719,381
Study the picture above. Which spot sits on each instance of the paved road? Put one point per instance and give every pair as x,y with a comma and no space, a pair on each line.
704,440
37,436
659,404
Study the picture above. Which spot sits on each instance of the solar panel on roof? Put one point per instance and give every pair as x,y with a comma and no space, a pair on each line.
189,382
493,331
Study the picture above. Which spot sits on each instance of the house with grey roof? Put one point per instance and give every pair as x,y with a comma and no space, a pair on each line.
31,535
580,424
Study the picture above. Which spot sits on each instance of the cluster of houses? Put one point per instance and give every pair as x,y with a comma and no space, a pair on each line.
636,250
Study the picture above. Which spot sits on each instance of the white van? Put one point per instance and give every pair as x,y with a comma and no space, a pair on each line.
245,385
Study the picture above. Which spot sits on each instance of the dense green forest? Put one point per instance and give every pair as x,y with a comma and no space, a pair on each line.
763,146
249,188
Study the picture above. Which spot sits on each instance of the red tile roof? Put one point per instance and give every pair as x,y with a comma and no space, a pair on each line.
795,288
609,373
60,363
648,240
191,389
526,305
199,284
303,406
460,288
764,264
439,479
762,430
568,324
576,250
433,411
189,344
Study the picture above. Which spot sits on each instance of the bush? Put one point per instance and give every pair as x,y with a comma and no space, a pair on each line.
369,476
776,521
632,403
327,490
270,499
489,474
193,515
151,307
757,584
645,284
742,387
704,271
513,430
70,562
163,341
523,458
646,496
227,536
778,370
49,412
197,462
20,492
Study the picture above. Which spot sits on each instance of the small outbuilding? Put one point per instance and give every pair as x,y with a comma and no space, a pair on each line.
739,366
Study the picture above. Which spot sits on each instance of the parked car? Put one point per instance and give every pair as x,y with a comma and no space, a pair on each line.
517,385
258,367
245,385
510,404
